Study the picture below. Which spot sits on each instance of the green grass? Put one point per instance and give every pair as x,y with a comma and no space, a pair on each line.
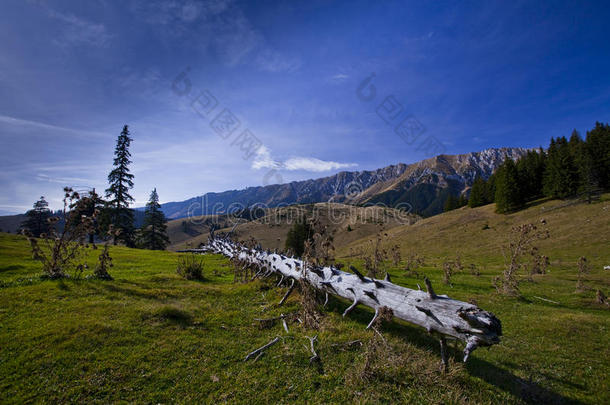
150,336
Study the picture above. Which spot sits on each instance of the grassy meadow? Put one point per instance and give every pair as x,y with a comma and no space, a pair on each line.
150,336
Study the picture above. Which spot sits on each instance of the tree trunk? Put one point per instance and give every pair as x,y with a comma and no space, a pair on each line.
436,313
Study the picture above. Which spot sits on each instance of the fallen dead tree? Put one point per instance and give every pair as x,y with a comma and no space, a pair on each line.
438,314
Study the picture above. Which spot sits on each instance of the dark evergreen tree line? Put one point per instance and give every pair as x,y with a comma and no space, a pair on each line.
568,168
453,202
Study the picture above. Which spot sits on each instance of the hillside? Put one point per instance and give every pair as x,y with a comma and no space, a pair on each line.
150,336
424,185
576,229
347,223
11,223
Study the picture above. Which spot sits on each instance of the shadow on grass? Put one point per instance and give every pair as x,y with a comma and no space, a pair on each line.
160,295
13,267
526,390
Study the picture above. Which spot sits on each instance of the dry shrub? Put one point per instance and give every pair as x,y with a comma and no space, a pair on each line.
310,305
520,244
63,250
104,262
190,266
583,269
457,263
375,255
447,272
378,356
242,271
395,252
414,262
600,298
320,250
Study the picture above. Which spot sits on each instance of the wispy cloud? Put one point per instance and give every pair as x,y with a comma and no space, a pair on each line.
77,31
340,77
41,125
221,26
263,160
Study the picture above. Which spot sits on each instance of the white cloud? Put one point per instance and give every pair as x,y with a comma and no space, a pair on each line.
314,165
264,160
340,77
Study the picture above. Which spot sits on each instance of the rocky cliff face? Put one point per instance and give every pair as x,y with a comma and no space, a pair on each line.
423,185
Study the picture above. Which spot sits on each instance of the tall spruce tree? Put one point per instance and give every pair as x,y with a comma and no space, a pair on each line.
451,203
297,235
477,193
508,193
37,218
531,172
154,229
598,154
561,173
121,181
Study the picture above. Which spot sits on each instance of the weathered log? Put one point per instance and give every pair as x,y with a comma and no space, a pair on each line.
436,313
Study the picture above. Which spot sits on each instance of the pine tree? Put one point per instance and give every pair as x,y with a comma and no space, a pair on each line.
462,201
598,154
451,203
477,193
531,172
587,184
154,229
568,172
490,189
297,235
37,218
508,193
551,171
121,181
561,173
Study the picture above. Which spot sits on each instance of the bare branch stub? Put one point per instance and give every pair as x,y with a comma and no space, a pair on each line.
258,352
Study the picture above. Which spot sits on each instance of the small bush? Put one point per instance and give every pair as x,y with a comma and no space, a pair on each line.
190,266
583,269
59,251
103,264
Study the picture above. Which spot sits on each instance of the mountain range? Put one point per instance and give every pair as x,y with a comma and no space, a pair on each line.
421,187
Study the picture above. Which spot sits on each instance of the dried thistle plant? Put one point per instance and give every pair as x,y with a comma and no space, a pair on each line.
600,298
104,262
583,269
447,272
396,257
521,243
63,250
378,354
414,262
375,255
538,263
240,271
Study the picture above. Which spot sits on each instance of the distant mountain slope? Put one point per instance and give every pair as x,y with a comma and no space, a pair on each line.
424,185
346,223
11,223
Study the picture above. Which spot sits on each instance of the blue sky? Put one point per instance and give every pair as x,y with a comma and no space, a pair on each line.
464,75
